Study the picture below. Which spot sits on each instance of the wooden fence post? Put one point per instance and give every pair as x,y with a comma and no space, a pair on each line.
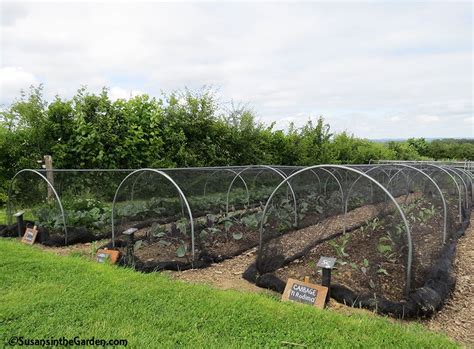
48,165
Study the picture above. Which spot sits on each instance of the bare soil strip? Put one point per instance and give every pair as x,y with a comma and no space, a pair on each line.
456,318
224,275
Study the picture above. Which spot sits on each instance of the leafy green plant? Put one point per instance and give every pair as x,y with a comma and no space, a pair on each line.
339,245
237,235
425,214
228,223
182,225
89,213
251,221
157,230
372,284
355,201
181,251
374,224
365,266
137,245
209,232
386,248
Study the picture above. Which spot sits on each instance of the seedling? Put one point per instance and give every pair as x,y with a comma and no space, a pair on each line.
340,244
181,251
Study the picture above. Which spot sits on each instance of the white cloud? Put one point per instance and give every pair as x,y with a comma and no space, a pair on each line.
395,119
428,118
369,68
121,93
13,80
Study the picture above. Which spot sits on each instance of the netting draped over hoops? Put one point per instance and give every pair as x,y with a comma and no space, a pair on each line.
262,169
178,189
50,187
274,252
387,224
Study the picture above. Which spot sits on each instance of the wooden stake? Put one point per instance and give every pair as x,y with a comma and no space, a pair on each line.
48,165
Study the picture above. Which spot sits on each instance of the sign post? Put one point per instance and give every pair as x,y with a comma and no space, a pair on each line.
19,222
130,233
327,263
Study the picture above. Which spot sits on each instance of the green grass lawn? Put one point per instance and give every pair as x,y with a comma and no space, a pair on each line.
3,215
44,296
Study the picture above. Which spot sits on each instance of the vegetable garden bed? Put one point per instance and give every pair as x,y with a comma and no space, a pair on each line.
386,224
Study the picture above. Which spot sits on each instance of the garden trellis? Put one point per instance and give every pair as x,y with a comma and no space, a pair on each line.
387,223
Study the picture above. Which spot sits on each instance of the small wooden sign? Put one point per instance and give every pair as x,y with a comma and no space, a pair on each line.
305,292
104,255
30,235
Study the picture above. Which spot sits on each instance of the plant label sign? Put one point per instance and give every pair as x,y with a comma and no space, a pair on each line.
104,255
326,262
305,292
30,236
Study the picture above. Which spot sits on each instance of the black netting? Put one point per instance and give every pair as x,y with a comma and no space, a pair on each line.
225,205
394,232
393,226
74,207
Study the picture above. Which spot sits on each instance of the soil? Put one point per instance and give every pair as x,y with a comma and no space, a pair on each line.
456,318
219,246
158,252
293,242
224,275
296,240
84,249
353,273
224,245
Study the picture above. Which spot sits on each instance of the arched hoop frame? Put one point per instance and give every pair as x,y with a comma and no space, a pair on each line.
231,171
469,177
338,180
445,208
279,173
10,188
466,188
397,206
341,190
455,183
180,192
407,180
134,184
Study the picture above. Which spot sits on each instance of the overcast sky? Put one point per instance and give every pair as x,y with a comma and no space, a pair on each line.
375,69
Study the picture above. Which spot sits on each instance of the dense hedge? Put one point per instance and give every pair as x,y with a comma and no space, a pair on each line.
178,129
